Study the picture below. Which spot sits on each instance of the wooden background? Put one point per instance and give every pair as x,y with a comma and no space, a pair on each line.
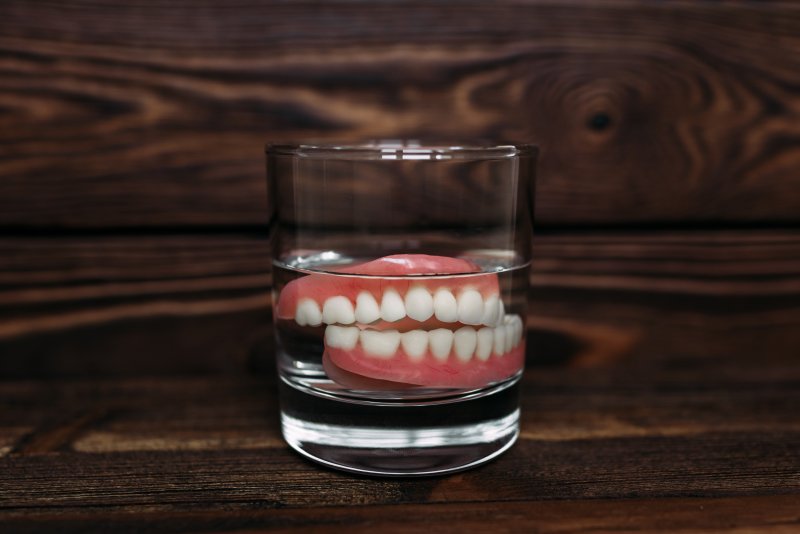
664,370
154,114
133,205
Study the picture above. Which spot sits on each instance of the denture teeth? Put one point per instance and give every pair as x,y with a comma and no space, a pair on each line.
485,342
367,309
381,344
499,340
441,341
415,343
300,316
509,332
519,329
419,304
392,307
308,313
489,317
445,307
464,341
338,310
341,337
501,312
470,307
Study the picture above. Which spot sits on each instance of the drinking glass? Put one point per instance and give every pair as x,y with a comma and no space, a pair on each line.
400,282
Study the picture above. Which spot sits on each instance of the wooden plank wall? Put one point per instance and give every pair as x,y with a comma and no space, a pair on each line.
133,205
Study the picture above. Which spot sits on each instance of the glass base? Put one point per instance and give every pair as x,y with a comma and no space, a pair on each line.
418,439
425,452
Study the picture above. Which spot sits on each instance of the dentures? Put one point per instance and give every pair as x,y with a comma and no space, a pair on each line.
444,331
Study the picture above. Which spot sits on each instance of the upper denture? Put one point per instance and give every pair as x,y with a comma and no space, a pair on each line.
418,304
331,299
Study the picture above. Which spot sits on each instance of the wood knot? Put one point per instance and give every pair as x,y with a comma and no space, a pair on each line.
599,121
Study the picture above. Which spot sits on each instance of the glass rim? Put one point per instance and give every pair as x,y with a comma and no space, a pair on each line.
403,149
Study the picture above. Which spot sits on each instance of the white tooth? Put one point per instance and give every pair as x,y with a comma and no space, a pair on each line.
485,341
308,313
392,307
445,306
519,329
464,341
341,337
381,344
501,312
490,310
441,341
509,331
300,316
367,309
470,307
415,343
419,304
499,340
338,310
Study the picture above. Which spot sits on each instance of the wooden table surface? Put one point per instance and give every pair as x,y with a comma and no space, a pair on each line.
599,451
665,398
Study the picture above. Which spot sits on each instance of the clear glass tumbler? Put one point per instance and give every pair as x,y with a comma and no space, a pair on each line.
400,275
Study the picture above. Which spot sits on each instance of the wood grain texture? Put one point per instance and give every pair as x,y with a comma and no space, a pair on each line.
140,451
155,113
776,514
178,303
109,304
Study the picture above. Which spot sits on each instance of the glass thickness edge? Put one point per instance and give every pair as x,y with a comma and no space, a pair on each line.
404,150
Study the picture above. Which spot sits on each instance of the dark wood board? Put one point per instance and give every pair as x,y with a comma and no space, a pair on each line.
155,113
704,451
775,514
